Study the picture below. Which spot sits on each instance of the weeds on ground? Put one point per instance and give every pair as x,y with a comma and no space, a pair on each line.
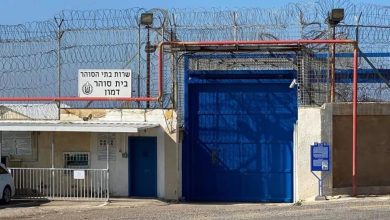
298,203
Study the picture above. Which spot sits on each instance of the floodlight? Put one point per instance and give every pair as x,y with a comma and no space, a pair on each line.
335,16
146,19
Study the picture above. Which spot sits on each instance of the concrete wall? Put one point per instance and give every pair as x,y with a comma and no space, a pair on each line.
332,123
373,148
314,125
8,114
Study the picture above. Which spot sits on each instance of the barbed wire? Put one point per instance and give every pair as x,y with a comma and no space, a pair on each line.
115,39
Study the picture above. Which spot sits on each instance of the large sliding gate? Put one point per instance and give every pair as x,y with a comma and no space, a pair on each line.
240,111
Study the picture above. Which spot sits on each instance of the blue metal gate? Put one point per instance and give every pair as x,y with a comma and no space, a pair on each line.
238,142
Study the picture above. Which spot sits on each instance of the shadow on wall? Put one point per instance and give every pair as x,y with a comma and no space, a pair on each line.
373,151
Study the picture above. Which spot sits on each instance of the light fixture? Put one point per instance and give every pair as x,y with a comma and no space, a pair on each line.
146,19
335,16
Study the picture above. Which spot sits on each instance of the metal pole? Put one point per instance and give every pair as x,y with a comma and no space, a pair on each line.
108,170
333,66
354,118
139,64
52,183
173,77
354,106
59,36
235,25
52,149
1,146
59,74
148,66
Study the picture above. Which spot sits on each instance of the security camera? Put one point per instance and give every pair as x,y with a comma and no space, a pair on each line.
293,84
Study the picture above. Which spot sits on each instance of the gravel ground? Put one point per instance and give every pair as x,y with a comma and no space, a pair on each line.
344,208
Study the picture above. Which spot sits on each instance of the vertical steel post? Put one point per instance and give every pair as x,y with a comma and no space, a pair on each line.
139,64
354,108
59,36
52,167
1,146
148,66
333,66
59,72
108,170
52,149
235,26
354,118
173,77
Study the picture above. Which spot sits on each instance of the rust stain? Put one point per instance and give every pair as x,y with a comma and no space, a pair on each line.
85,113
168,114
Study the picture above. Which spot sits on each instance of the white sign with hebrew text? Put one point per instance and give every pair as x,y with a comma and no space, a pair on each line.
104,83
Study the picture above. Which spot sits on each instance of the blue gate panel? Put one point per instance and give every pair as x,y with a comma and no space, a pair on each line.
239,142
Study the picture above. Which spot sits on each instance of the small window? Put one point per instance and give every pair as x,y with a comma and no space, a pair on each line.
76,160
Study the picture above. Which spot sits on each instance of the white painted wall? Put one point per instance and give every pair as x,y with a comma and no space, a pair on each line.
118,167
309,131
167,151
314,125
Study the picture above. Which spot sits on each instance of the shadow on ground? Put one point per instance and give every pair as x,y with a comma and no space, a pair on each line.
18,203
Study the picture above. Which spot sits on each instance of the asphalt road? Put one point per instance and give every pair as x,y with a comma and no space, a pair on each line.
345,208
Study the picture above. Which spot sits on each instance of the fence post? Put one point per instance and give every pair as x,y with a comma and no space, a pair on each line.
235,26
108,172
59,34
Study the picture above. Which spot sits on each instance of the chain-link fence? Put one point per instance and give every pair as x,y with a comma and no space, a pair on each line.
41,59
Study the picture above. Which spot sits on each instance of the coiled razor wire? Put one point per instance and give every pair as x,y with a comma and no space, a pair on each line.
33,54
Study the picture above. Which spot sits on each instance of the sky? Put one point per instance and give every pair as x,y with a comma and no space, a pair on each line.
21,11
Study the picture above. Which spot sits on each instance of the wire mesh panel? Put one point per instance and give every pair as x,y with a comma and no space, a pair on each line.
324,76
313,79
311,68
42,58
258,66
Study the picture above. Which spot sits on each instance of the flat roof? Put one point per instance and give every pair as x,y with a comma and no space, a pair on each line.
76,126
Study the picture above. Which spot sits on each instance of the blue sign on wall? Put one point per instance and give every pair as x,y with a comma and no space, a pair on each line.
319,154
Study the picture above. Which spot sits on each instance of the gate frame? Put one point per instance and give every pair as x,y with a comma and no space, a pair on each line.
287,43
284,77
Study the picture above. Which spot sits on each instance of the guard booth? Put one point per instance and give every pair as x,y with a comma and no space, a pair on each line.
240,112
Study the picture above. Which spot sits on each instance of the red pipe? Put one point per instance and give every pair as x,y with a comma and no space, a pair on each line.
225,43
354,118
73,98
259,42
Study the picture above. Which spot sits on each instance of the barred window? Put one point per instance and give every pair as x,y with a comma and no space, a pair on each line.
76,160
